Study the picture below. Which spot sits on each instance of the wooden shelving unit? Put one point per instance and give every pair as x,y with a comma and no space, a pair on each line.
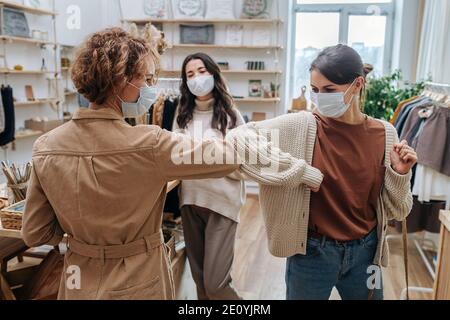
270,54
34,103
29,134
25,40
253,100
26,72
219,46
27,9
51,44
230,72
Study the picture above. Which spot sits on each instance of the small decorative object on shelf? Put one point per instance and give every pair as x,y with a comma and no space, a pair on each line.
256,9
234,35
188,9
255,88
65,63
155,8
256,65
300,103
267,92
193,34
220,9
43,67
224,66
258,116
18,67
29,93
36,34
275,88
17,180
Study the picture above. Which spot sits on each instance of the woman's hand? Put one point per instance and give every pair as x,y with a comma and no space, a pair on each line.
403,158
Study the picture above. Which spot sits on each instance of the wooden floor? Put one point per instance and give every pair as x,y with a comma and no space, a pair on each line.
259,275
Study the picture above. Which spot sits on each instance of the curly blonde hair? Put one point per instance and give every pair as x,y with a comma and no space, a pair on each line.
108,60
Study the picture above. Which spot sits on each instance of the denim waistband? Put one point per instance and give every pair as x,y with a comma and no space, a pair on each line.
324,239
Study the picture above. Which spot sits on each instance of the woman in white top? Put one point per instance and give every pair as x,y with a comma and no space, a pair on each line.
209,208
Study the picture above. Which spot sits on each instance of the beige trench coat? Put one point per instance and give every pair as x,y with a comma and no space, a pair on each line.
103,183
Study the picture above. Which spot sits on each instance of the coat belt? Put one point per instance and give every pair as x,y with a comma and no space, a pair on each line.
144,245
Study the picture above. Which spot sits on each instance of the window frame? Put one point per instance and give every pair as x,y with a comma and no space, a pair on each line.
346,10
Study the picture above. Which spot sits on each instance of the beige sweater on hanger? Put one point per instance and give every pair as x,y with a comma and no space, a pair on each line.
284,194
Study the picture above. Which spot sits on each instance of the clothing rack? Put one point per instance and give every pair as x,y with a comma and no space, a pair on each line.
170,86
432,90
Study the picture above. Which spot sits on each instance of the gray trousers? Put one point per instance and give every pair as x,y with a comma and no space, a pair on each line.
209,239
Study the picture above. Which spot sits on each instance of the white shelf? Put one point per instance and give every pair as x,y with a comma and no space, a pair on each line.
267,100
27,9
26,72
213,21
219,46
28,134
255,72
34,103
25,40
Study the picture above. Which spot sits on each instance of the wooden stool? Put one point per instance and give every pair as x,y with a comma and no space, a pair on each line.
10,248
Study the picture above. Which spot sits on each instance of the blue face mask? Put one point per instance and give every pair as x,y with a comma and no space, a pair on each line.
147,97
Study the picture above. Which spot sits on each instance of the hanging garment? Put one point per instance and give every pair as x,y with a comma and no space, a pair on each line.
404,114
7,136
424,216
415,123
2,117
172,203
431,185
400,106
170,108
433,145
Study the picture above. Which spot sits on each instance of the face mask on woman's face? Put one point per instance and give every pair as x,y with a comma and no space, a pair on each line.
332,105
202,85
147,97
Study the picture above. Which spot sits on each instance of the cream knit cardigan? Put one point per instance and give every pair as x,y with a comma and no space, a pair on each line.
284,194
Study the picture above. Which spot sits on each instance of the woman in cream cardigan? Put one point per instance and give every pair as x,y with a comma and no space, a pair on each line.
355,177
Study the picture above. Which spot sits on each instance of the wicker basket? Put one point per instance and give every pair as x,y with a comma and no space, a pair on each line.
11,217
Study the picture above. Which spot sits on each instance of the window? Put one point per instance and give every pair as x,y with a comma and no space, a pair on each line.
365,25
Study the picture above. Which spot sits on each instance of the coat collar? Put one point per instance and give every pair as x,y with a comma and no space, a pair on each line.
104,113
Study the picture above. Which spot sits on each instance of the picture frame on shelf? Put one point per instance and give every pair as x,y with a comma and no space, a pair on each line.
197,34
234,35
145,9
155,8
188,9
15,23
220,9
255,88
256,9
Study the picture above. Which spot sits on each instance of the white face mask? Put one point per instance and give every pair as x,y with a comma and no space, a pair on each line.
332,105
201,86
147,97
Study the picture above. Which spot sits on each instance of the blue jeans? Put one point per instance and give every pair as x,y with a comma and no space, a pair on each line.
348,266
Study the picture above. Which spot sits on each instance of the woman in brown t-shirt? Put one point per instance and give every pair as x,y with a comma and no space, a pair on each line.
350,151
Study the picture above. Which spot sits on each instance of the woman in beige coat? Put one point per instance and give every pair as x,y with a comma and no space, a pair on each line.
103,182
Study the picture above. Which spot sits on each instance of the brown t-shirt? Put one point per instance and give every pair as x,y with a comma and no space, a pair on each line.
351,157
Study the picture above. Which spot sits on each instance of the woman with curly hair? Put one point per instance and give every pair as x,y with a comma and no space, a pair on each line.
103,182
